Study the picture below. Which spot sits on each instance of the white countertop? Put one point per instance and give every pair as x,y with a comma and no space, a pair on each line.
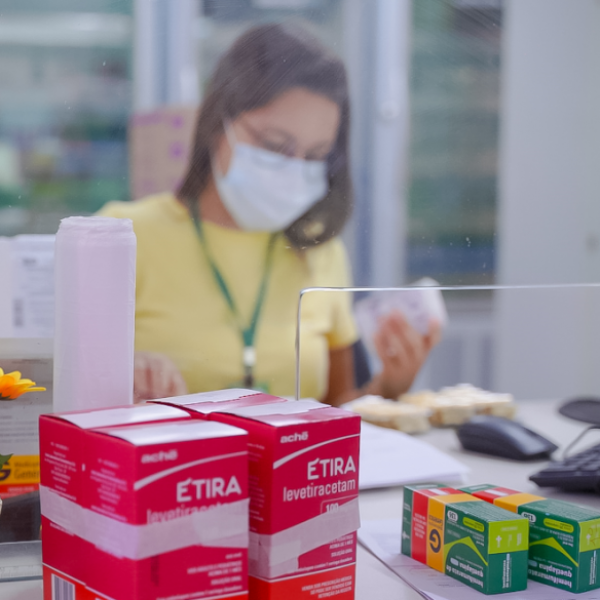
374,580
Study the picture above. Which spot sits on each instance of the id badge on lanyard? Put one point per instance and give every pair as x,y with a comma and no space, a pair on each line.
247,333
249,361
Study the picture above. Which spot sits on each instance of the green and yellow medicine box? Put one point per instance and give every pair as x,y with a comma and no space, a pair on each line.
564,539
483,546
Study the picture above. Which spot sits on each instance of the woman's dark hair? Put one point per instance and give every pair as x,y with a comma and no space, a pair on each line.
262,64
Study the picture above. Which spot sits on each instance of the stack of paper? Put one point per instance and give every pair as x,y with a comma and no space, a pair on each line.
389,458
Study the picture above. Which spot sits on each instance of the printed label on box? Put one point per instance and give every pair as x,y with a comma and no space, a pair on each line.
19,475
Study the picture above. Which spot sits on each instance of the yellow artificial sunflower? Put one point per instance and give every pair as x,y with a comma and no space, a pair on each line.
12,386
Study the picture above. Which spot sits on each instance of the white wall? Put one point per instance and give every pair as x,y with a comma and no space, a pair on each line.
549,198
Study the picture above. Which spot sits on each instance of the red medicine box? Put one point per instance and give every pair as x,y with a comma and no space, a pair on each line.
303,460
167,512
62,452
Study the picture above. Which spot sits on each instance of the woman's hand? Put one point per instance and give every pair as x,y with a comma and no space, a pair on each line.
156,376
402,351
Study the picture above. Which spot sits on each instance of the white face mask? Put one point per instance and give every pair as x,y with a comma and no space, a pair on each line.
267,191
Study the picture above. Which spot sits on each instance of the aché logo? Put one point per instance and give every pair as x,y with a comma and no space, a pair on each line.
159,456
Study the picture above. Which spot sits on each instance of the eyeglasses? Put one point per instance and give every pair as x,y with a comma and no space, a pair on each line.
287,148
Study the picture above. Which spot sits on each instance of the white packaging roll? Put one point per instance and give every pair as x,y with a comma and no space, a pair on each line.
94,279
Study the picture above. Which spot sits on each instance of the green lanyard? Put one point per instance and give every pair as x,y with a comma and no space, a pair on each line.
248,333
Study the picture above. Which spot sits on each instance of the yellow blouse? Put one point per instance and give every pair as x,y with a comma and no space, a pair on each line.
181,312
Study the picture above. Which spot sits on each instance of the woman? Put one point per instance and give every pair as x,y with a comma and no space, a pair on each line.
221,264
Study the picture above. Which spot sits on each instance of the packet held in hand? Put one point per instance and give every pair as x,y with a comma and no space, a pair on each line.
419,306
